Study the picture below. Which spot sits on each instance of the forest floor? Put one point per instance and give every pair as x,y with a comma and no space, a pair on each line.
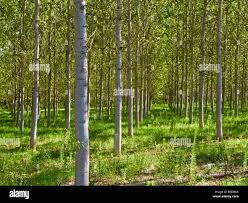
148,158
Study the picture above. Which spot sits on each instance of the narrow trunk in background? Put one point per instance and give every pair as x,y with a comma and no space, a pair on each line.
130,104
101,76
137,69
201,75
219,86
68,69
237,65
108,84
22,109
50,72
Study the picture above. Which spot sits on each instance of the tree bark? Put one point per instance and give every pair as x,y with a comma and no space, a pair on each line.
130,106
22,102
36,77
118,113
201,75
50,72
68,69
101,77
219,87
81,95
237,66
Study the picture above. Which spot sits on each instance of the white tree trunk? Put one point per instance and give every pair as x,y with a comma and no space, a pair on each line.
81,103
118,113
36,77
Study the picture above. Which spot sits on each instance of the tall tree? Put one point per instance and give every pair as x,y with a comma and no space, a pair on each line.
130,105
68,68
101,75
137,68
36,77
192,28
201,75
219,87
118,111
81,94
236,64
50,72
22,32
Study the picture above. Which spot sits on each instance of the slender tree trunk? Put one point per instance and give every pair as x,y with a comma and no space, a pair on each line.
219,87
207,94
118,113
88,86
191,111
108,84
145,96
201,75
237,66
141,87
55,80
101,78
230,89
68,69
130,106
50,72
15,87
243,85
18,104
182,87
136,70
225,63
186,80
22,101
212,93
96,89
36,77
81,94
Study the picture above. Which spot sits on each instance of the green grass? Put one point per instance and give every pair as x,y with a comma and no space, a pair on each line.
148,158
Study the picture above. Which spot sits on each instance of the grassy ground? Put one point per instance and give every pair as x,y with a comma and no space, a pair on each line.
148,158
